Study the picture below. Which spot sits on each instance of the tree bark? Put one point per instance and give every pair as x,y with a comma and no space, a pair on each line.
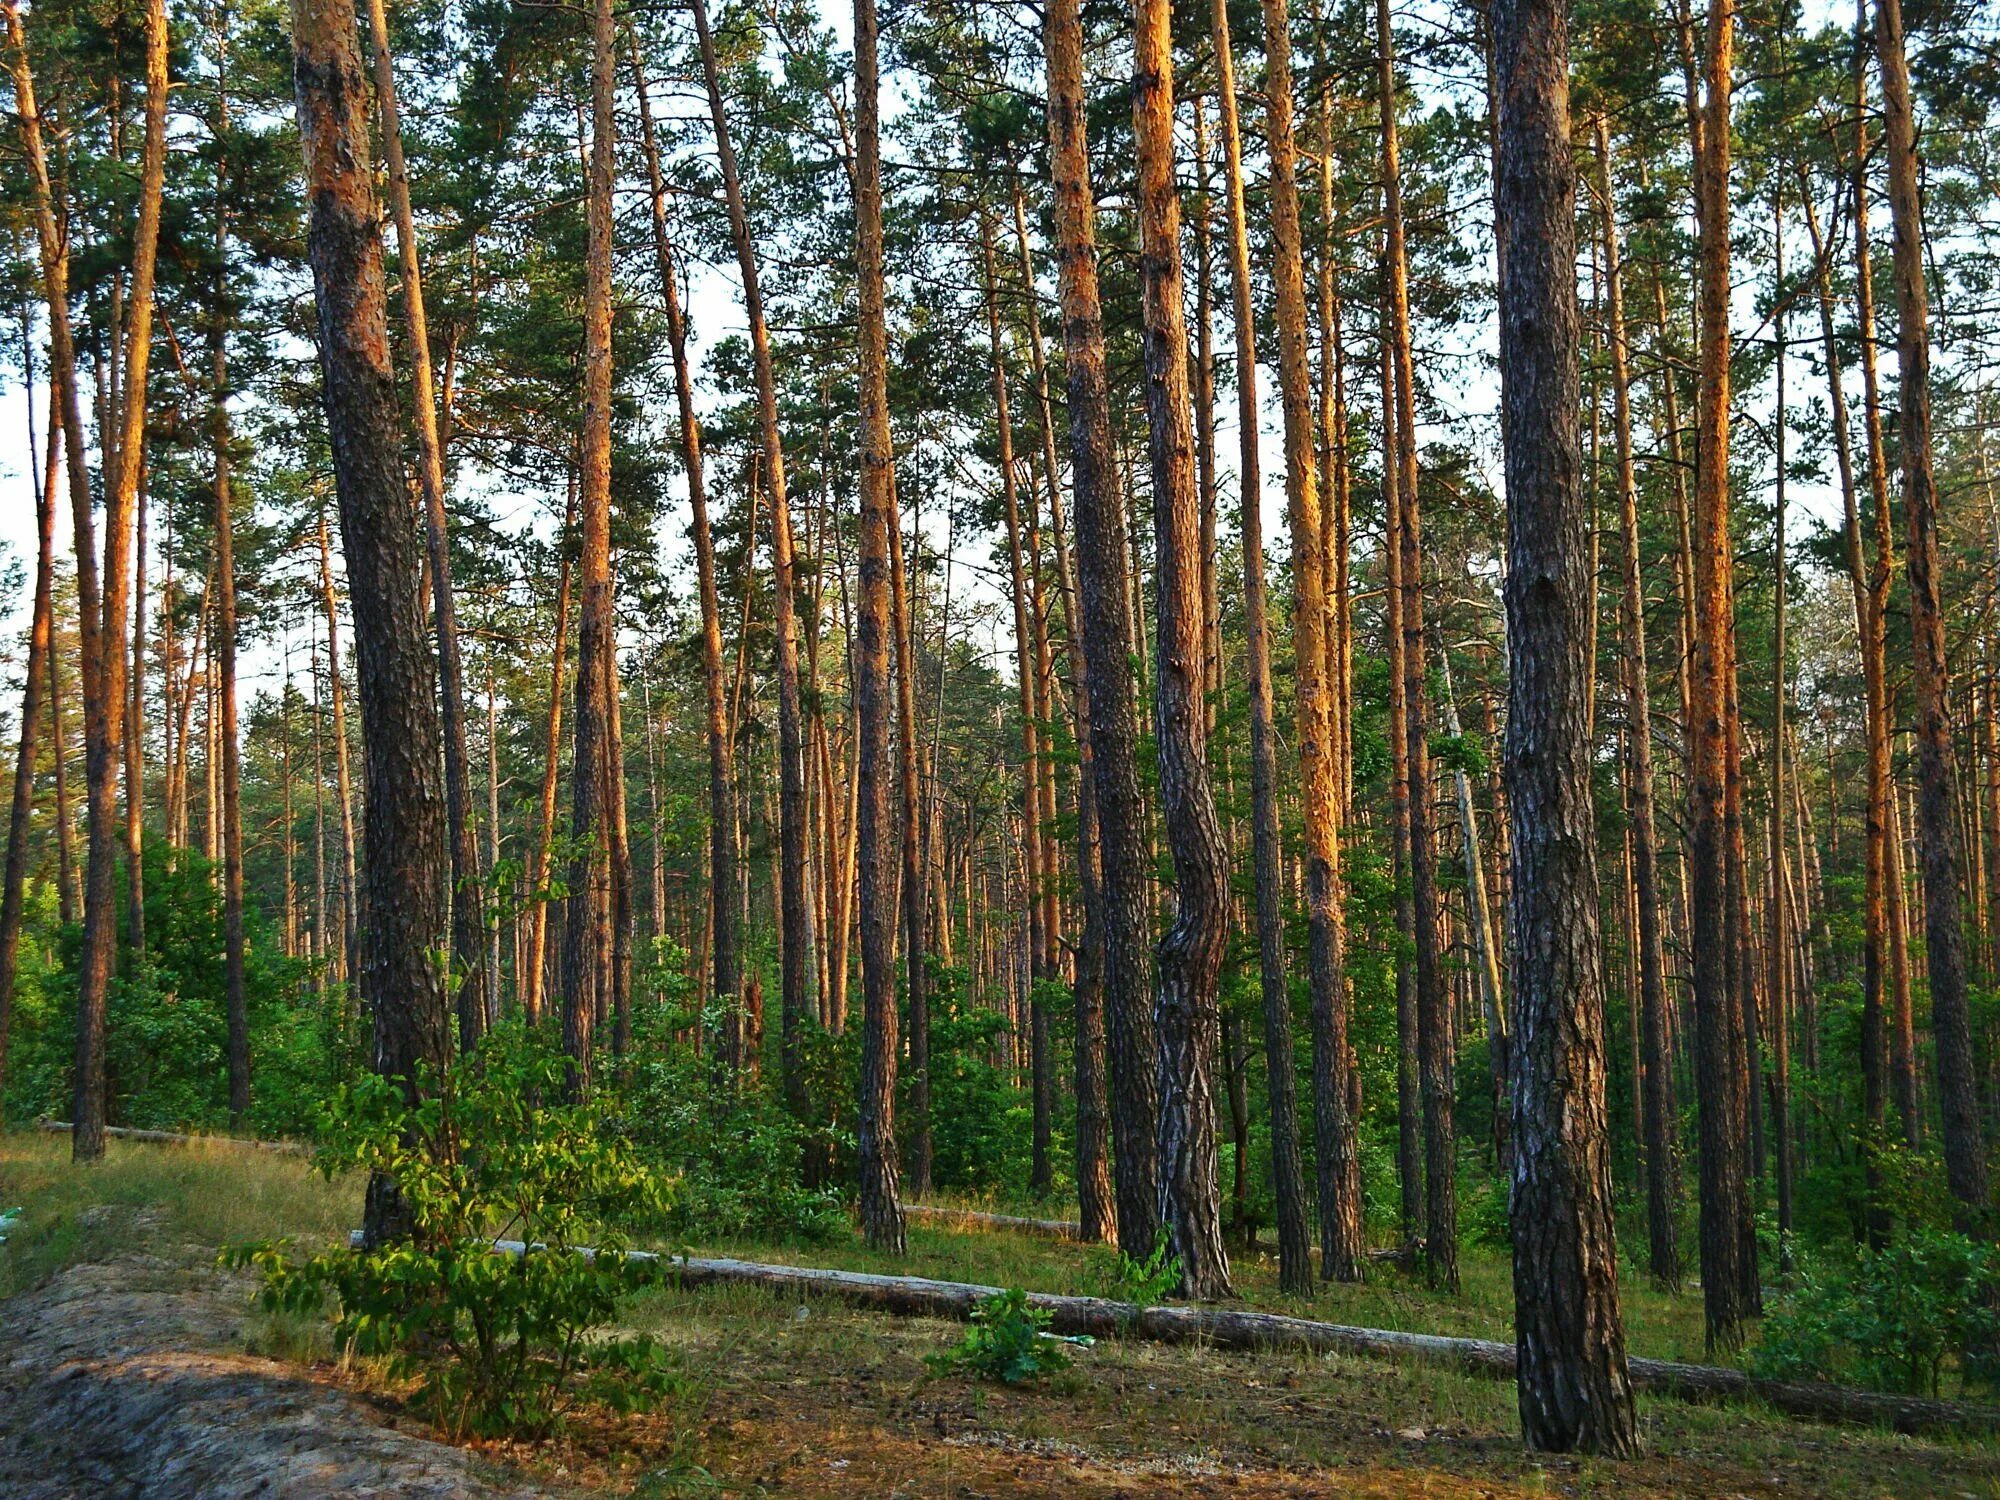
1660,1123
725,964
1575,1391
1190,954
468,923
794,883
875,1115
1938,820
1329,1051
400,916
1106,614
585,931
1721,1058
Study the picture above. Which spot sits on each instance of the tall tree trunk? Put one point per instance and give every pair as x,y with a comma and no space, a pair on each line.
1093,1165
1938,821
1409,1106
1436,1044
1778,925
1722,1084
1882,780
468,923
1875,934
401,916
1329,1020
794,884
539,951
237,1000
584,976
1660,1127
1039,938
21,810
1574,1388
1104,588
875,1114
725,964
1190,954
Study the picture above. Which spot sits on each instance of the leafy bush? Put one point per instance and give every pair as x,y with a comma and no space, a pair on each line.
497,1342
1008,1341
1893,1318
737,1155
1145,1283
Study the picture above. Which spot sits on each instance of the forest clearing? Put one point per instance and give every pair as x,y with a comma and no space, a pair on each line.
830,748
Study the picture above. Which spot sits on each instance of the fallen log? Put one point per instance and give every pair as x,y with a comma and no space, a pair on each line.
1233,1329
174,1138
969,1218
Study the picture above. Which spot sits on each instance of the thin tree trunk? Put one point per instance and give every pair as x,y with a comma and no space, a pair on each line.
875,1116
1660,1127
725,970
1329,1018
1938,822
1436,1043
1777,926
40,659
237,1002
349,883
592,768
794,879
1190,954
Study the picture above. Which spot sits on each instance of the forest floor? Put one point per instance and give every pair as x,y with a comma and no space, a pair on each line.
129,1365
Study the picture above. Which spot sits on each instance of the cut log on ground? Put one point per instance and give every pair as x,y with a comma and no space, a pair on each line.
968,1218
174,1138
1228,1328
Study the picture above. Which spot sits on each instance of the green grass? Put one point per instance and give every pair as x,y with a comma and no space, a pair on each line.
206,1195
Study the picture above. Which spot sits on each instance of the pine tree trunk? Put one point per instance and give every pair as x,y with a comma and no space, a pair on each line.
1104,589
1409,1105
875,1115
1189,956
1329,1020
1722,1085
1436,1041
40,659
1660,1128
468,923
1938,822
794,884
725,964
400,919
1875,936
584,976
1575,1391
1096,1211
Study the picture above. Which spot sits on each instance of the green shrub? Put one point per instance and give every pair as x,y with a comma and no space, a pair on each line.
498,1343
1891,1319
1143,1282
1008,1341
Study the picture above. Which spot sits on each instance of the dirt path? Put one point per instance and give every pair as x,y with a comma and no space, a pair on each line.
125,1380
